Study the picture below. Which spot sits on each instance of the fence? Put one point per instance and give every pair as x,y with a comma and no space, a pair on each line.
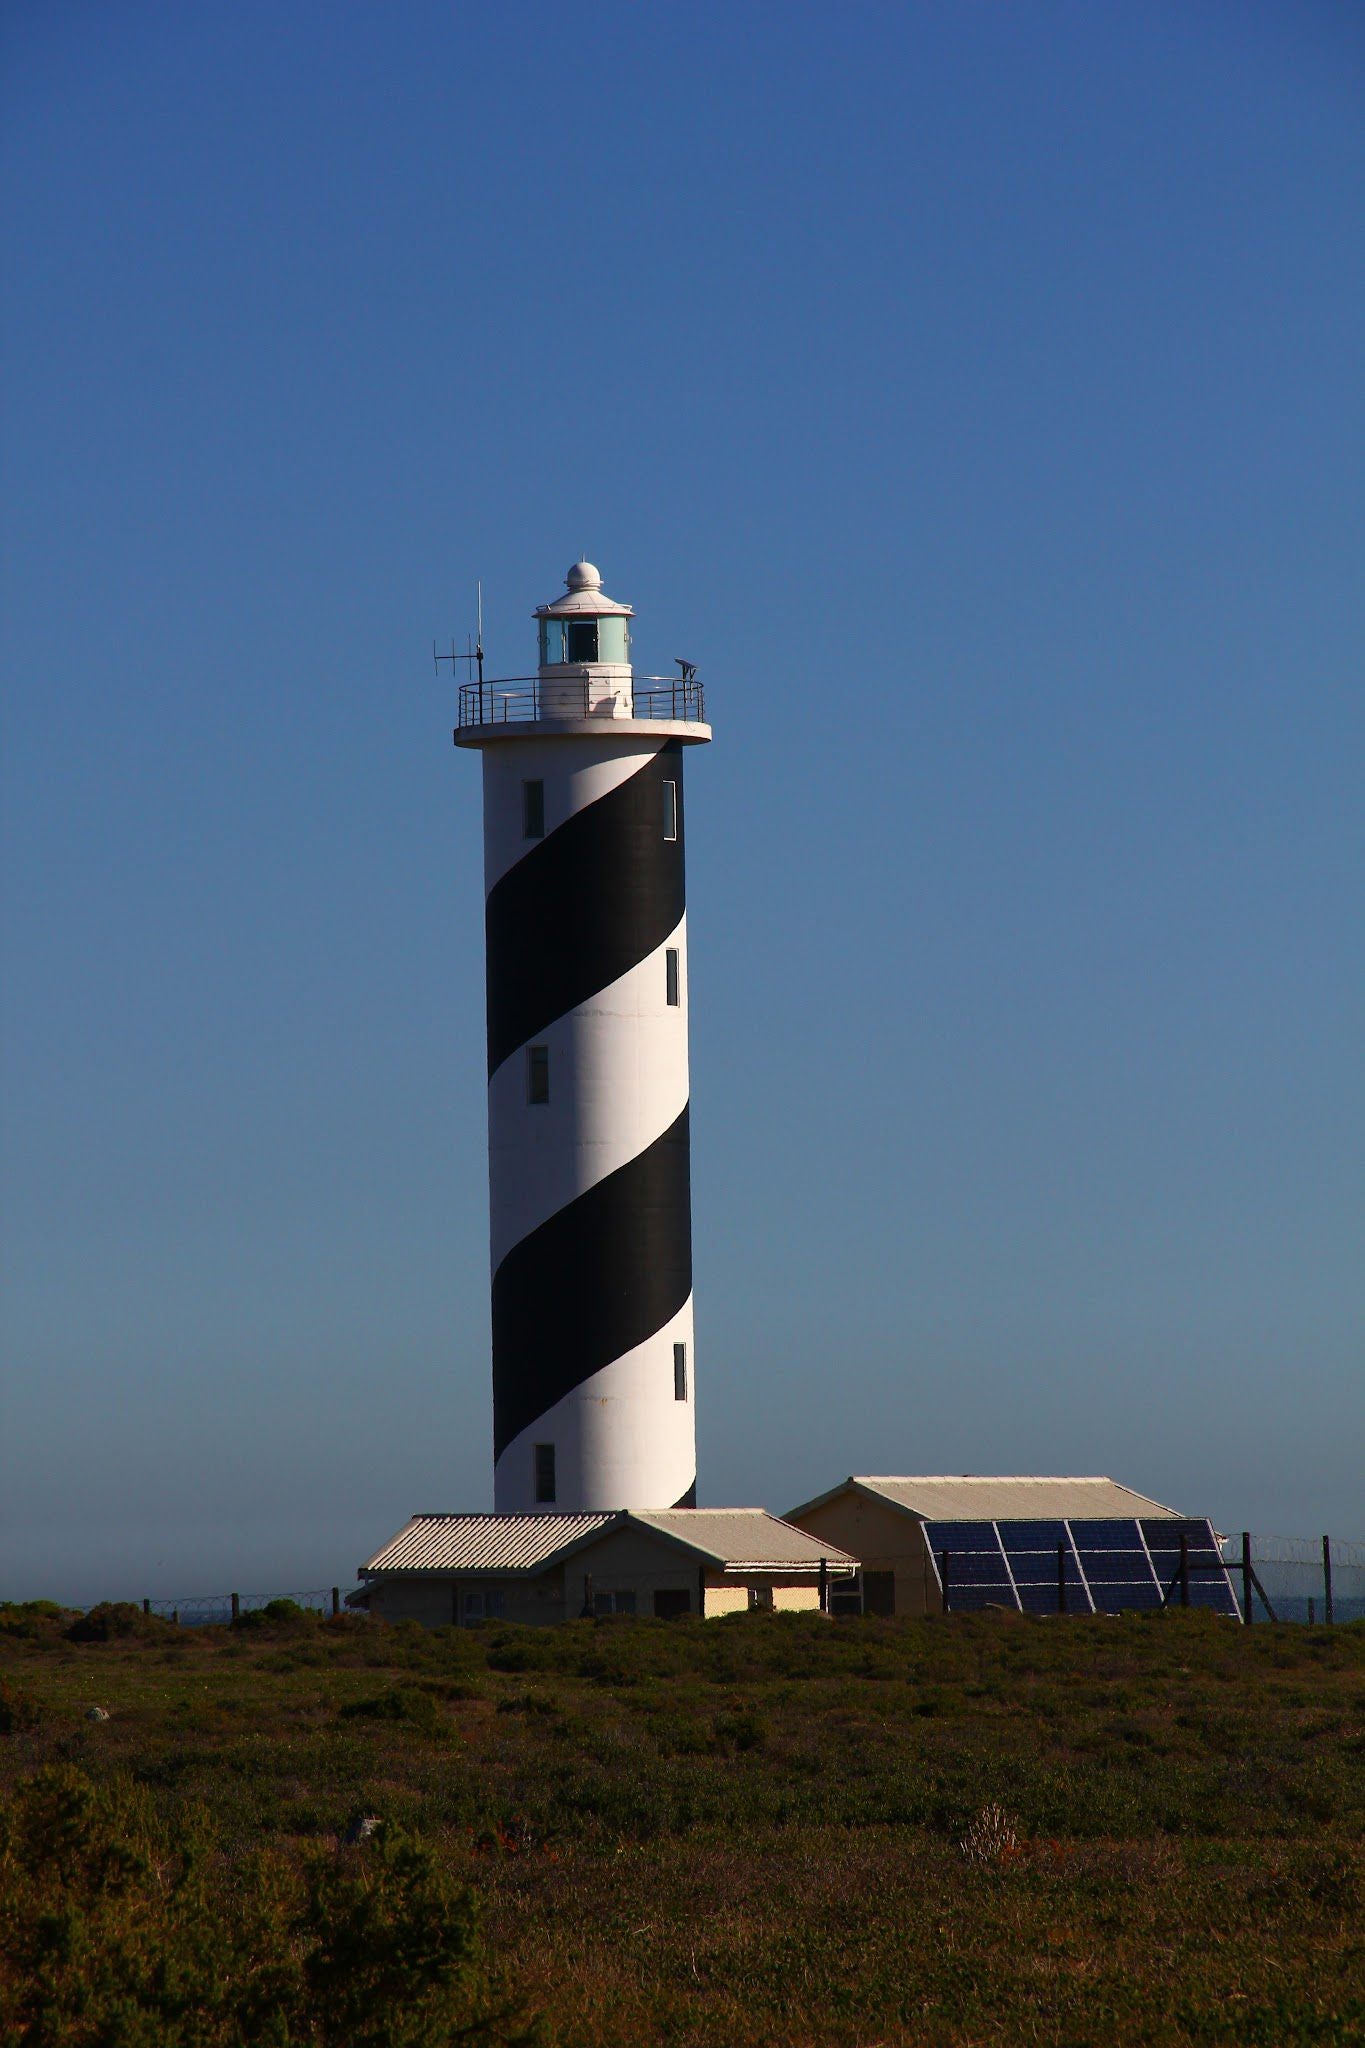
204,1610
1300,1578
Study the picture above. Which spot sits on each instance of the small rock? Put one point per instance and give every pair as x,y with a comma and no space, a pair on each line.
97,1714
360,1830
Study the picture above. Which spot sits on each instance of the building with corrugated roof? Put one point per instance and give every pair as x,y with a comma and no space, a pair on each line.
463,1569
948,1543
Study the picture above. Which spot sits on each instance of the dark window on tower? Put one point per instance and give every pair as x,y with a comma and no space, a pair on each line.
671,975
545,1474
679,1372
533,810
537,1073
670,810
582,639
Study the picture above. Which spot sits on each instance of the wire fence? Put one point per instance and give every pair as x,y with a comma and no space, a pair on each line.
206,1610
1301,1578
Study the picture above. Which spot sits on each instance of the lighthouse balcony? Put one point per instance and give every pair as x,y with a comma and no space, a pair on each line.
569,697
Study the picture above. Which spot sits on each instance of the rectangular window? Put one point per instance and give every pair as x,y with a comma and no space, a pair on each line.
545,1474
537,1073
613,1603
679,1372
473,1607
551,643
671,976
581,636
533,810
760,1599
670,810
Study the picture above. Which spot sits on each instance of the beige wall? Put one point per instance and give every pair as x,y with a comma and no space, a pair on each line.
629,1559
883,1538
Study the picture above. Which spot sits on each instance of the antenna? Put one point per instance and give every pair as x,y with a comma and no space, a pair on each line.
473,660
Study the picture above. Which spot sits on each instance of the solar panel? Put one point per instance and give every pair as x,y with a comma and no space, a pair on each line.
1033,1535
1122,1596
1043,1599
1114,1564
957,1536
1116,1567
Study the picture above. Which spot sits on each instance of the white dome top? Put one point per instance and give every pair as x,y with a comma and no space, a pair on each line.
584,597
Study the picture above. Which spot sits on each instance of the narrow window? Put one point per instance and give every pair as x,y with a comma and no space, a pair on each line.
545,1474
533,810
679,1372
670,810
537,1073
473,1607
671,976
582,638
760,1599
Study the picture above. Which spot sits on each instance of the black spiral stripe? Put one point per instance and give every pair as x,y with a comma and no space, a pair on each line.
587,904
595,1280
592,900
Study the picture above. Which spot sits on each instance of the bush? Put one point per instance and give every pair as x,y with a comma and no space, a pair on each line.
116,1927
19,1711
114,1621
407,1703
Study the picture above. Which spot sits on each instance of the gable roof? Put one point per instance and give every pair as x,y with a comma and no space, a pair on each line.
728,1539
482,1543
968,1498
734,1539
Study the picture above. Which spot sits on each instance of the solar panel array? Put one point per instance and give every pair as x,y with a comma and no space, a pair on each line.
1104,1567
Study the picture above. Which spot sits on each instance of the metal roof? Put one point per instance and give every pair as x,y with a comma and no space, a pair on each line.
966,1498
732,1539
736,1538
482,1543
584,597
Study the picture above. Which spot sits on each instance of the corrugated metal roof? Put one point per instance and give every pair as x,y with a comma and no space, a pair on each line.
730,1538
949,1498
735,1537
482,1543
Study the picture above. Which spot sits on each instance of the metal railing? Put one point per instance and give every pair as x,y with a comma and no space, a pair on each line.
522,700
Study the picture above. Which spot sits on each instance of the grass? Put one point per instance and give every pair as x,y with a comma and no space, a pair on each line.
984,1829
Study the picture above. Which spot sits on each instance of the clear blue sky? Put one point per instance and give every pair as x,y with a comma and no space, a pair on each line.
976,395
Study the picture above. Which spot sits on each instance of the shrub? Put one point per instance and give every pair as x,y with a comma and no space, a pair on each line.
19,1710
114,1621
119,1928
407,1703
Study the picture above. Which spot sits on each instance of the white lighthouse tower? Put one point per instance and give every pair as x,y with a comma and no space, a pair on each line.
588,1154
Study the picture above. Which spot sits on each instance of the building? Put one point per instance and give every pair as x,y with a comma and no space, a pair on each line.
588,1150
464,1569
1080,1546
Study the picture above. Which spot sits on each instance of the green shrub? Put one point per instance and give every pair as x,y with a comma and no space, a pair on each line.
406,1703
116,1927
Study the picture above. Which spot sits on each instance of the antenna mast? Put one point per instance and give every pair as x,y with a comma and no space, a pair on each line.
472,657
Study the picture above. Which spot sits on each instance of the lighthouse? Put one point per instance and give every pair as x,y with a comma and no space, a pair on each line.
587,997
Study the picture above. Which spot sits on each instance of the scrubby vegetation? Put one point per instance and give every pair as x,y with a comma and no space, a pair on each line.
985,1829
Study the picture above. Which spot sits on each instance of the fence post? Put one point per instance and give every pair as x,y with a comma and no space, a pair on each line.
175,1616
146,1606
943,1577
1246,1575
1184,1570
824,1585
336,1602
1061,1578
1327,1580
701,1591
236,1599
